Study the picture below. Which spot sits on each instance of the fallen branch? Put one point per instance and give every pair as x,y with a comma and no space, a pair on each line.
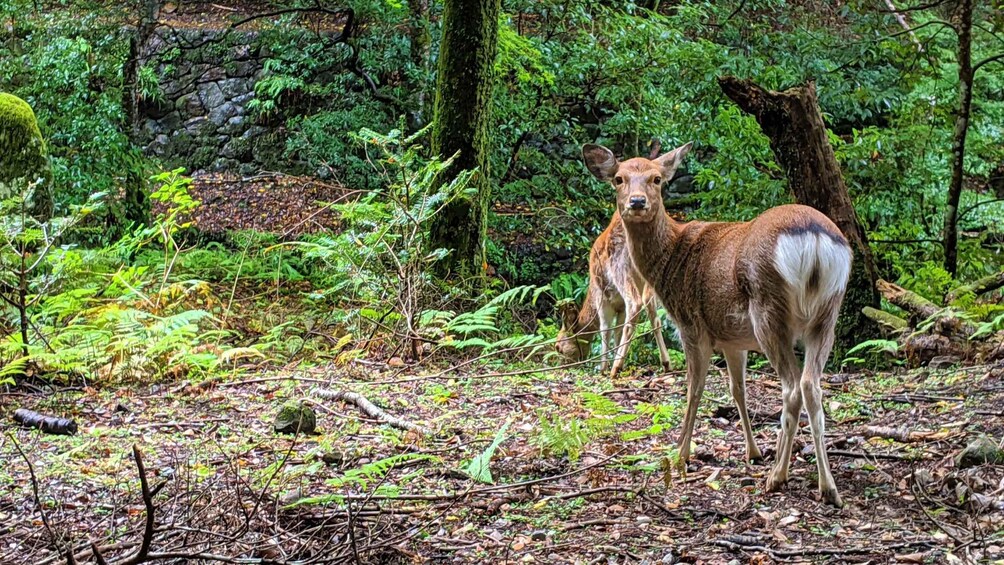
863,455
986,284
590,523
48,424
904,435
805,551
888,322
371,410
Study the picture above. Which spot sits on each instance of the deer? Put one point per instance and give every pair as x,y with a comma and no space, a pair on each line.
734,287
615,296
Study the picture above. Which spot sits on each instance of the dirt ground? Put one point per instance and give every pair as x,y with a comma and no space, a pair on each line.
362,491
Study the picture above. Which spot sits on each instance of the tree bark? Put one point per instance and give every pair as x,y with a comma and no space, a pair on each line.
462,121
793,123
135,205
966,72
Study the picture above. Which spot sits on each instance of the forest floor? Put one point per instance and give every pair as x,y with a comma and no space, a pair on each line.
393,496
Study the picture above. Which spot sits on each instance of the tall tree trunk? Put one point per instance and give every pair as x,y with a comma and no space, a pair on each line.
793,123
965,30
135,205
418,35
462,121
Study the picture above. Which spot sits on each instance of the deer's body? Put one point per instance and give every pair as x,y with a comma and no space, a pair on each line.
735,287
616,295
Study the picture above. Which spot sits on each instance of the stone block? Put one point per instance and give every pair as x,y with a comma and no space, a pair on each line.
211,95
190,105
219,115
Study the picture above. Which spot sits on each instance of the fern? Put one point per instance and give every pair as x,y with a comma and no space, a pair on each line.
361,478
561,436
479,468
987,328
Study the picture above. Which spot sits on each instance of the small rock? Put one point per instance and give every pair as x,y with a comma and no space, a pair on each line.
333,457
942,362
735,562
293,418
643,519
923,477
395,362
669,559
538,535
838,378
159,145
980,451
494,535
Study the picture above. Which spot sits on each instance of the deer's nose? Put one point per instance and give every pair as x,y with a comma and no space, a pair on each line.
636,202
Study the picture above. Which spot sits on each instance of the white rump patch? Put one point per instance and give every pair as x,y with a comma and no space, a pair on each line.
796,256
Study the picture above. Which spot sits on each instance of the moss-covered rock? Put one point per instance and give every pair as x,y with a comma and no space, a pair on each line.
24,163
980,451
294,417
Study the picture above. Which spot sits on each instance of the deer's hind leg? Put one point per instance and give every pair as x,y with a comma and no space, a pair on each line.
653,315
774,334
818,343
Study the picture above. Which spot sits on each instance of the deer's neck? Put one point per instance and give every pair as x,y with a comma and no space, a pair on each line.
653,245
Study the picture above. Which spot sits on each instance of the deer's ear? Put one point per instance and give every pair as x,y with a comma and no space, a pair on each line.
600,161
569,315
672,160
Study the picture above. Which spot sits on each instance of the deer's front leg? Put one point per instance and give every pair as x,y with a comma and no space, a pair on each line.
698,356
735,359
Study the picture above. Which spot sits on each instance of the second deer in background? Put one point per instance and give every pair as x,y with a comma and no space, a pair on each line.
617,293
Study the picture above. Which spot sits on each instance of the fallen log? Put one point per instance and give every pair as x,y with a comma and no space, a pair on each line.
371,410
921,309
986,284
48,424
890,323
904,435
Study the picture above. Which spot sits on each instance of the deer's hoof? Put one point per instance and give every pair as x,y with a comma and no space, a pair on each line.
753,455
776,481
831,497
665,367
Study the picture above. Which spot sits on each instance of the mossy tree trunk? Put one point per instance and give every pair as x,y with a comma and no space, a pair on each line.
462,121
135,206
964,28
793,123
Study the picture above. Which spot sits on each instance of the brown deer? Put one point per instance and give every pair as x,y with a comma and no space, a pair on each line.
734,287
616,294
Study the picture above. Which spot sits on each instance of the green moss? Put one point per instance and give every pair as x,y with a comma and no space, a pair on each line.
293,418
23,158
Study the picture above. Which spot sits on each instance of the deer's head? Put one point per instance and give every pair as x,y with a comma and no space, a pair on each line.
571,344
638,181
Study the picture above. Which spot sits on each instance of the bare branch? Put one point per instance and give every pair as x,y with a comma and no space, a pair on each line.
988,60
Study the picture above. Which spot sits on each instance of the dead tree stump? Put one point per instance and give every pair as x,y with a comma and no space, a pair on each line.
793,123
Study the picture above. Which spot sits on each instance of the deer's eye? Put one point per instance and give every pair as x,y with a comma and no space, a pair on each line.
618,181
657,180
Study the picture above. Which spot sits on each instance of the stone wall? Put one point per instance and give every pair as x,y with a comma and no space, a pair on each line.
201,119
